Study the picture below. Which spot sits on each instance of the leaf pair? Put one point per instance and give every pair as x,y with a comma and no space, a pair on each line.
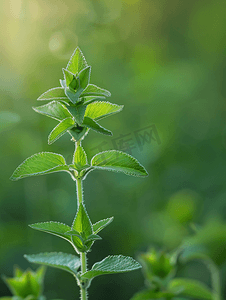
48,162
79,117
71,263
81,235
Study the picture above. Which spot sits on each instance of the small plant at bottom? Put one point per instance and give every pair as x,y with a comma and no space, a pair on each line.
162,282
26,285
78,106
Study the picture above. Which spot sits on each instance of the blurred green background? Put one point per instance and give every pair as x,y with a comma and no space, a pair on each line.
165,61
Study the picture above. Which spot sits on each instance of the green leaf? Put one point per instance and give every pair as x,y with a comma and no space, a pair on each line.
55,228
118,161
54,110
93,237
63,261
112,264
97,227
93,90
79,157
28,284
84,77
39,164
78,132
77,62
69,77
90,123
191,288
73,95
60,130
100,110
54,94
78,112
83,225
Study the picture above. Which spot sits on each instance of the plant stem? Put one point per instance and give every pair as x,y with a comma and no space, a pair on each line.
216,285
83,254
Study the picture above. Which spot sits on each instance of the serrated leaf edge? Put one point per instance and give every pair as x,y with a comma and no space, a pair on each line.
33,174
60,134
110,220
59,98
109,168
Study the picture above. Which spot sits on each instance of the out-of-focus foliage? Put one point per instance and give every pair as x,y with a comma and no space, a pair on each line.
165,62
26,285
162,274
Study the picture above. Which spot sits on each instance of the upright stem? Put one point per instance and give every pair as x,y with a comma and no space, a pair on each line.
216,286
83,254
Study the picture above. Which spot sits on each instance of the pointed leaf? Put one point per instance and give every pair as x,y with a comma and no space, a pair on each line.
90,123
63,261
118,161
191,288
97,227
83,225
100,110
73,95
69,77
54,110
79,158
93,90
78,112
84,77
93,237
60,130
39,164
78,132
55,228
54,94
112,264
77,62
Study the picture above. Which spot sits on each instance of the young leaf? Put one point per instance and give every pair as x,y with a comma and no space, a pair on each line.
83,225
97,227
93,237
39,164
60,130
191,288
77,62
112,264
118,161
90,123
100,110
73,95
78,132
69,77
55,228
93,90
84,77
79,158
54,110
54,94
78,112
63,261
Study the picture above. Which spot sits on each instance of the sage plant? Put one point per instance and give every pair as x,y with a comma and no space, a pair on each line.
78,106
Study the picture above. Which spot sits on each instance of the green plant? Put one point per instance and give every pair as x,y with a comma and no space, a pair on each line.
162,281
26,285
78,106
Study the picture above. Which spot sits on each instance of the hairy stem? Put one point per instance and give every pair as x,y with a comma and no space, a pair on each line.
82,255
